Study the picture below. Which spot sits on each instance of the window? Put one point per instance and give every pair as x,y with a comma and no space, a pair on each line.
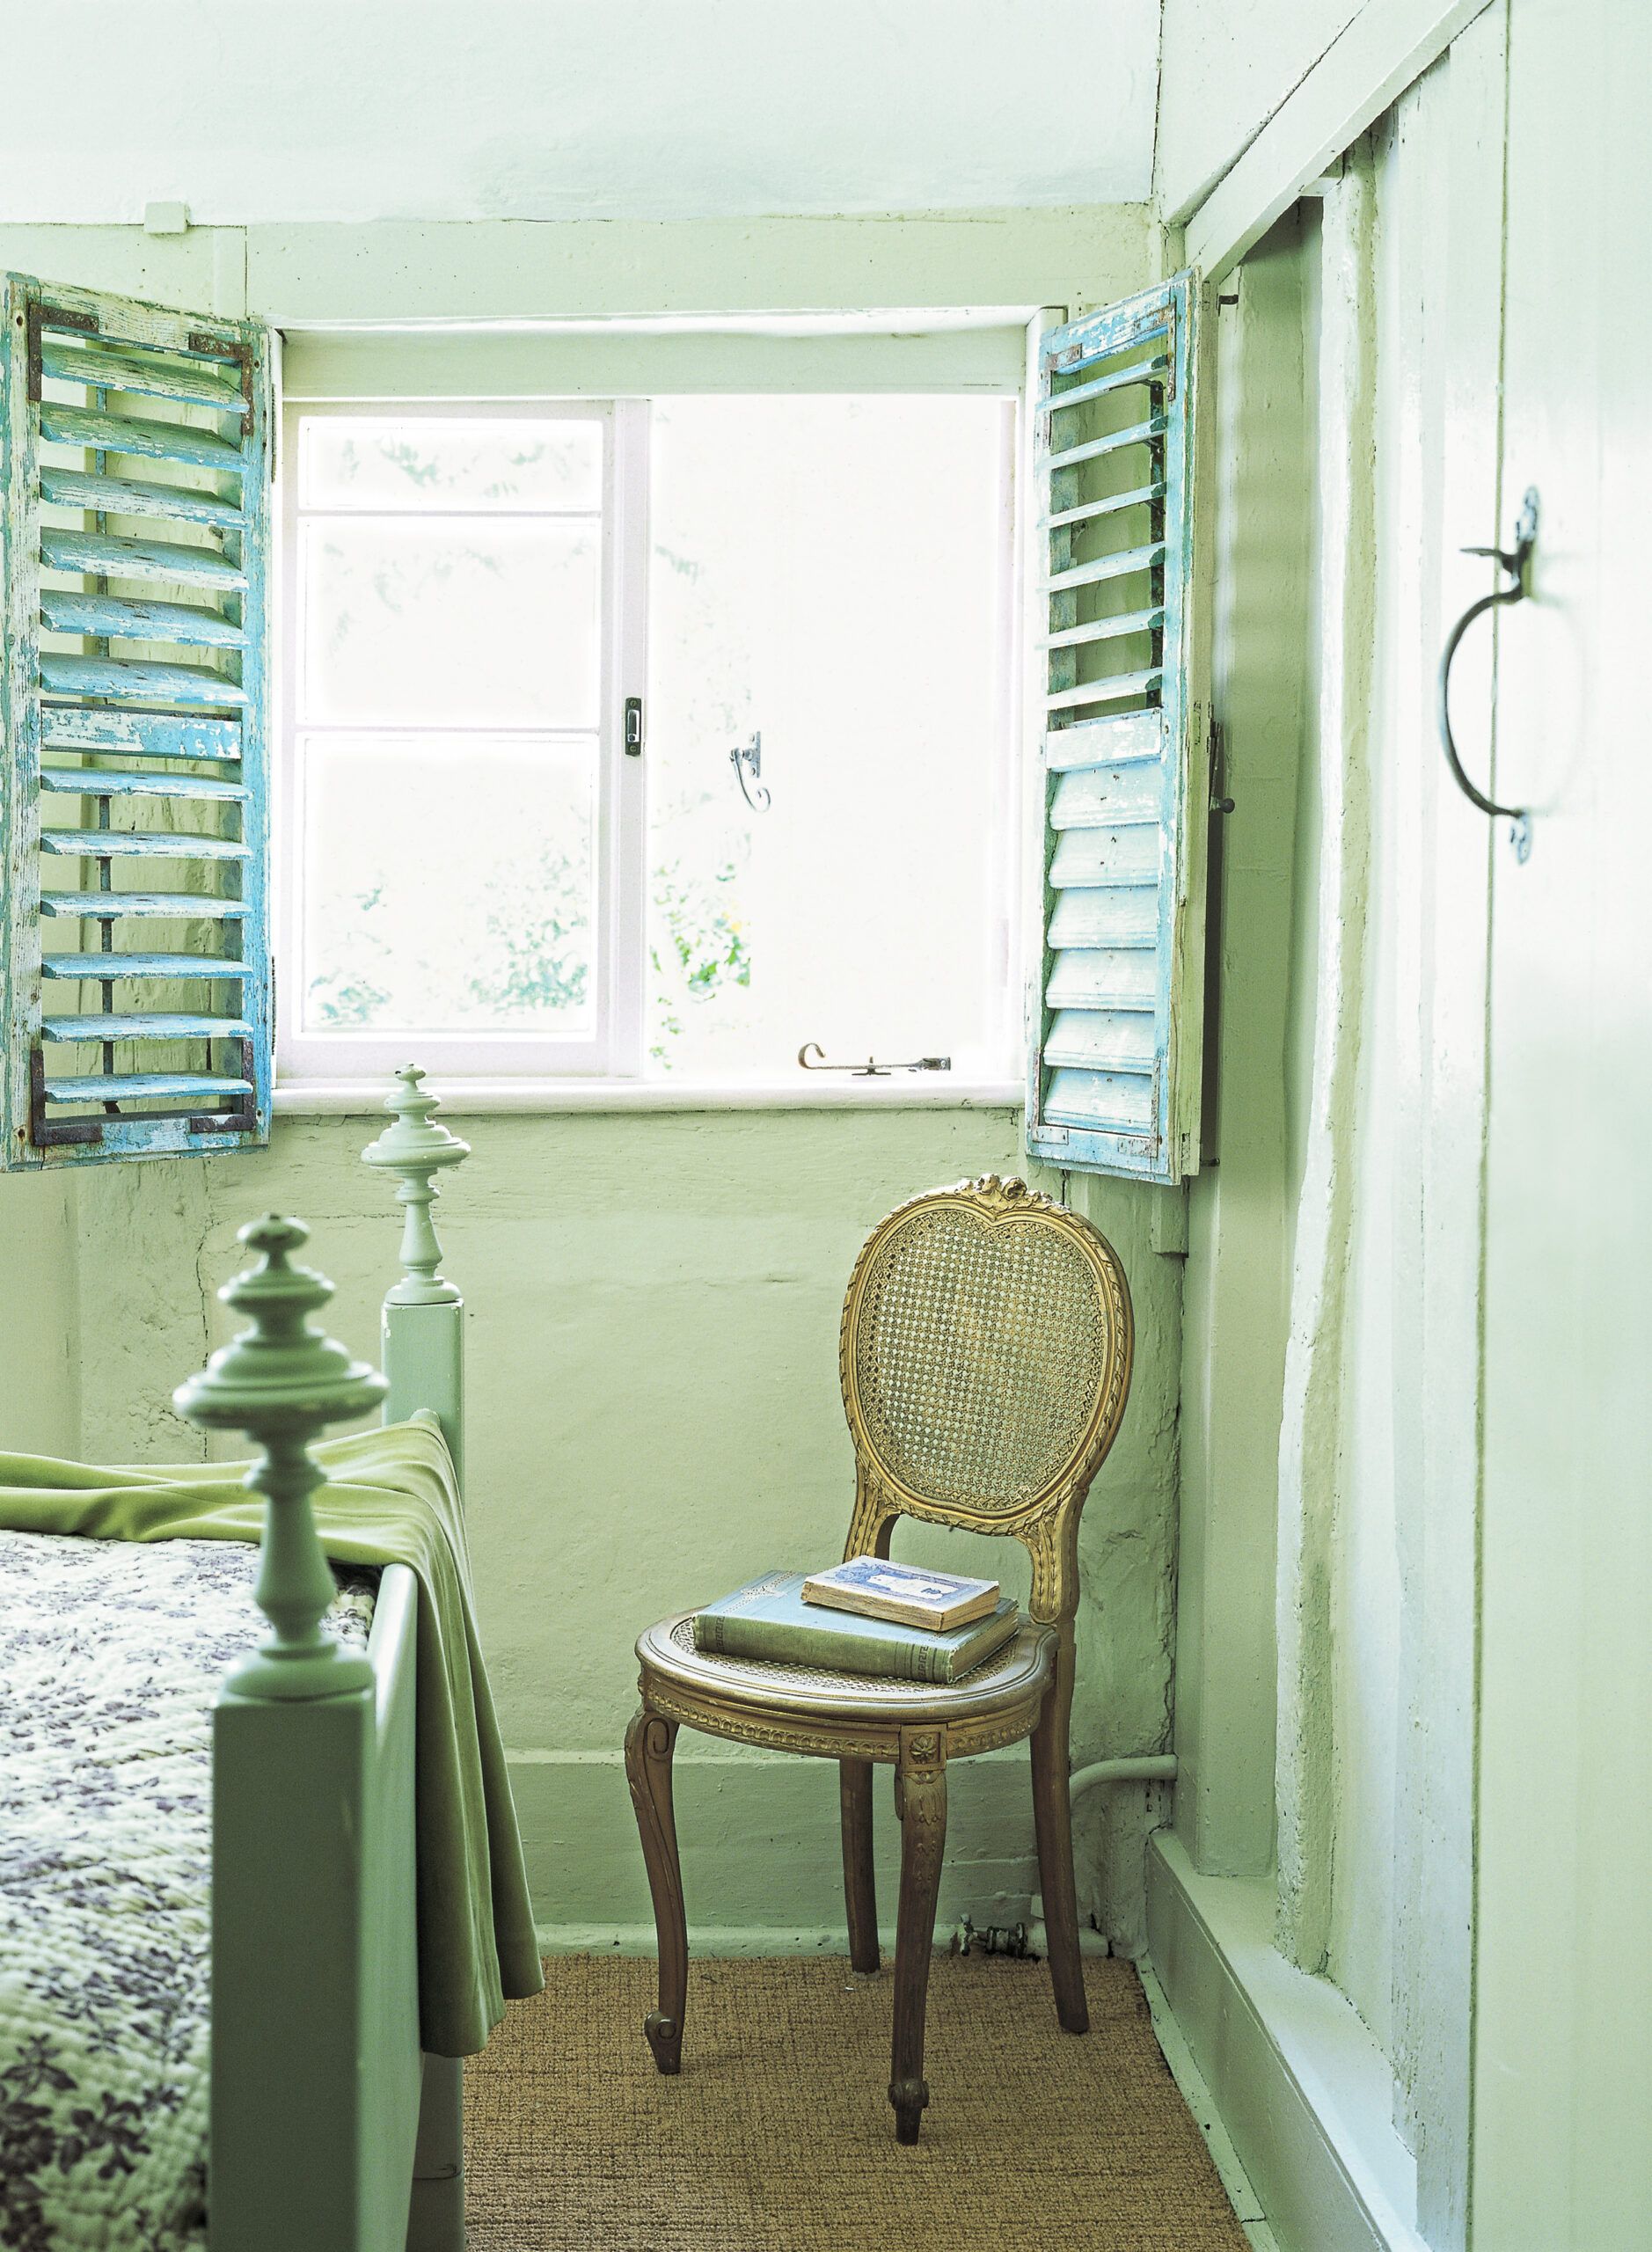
799,603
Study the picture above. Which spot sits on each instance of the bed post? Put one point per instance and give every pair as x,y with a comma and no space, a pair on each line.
315,2048
422,1338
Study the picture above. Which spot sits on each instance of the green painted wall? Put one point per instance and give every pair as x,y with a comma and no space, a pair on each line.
654,1416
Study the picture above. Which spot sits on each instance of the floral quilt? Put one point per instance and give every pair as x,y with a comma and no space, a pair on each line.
111,1654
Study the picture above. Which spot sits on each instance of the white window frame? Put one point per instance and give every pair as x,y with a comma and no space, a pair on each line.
614,1051
472,374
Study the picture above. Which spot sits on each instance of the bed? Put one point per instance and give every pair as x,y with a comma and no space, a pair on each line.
249,1871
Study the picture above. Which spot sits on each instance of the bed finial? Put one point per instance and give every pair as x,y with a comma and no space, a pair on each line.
281,1381
415,1146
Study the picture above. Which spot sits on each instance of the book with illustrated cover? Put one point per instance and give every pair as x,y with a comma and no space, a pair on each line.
768,1617
880,1589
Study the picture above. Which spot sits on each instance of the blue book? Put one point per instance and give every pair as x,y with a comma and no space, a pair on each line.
768,1617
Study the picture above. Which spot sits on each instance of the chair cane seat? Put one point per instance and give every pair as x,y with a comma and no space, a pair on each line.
995,1701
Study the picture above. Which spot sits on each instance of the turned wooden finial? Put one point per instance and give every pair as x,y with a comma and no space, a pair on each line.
281,1381
415,1146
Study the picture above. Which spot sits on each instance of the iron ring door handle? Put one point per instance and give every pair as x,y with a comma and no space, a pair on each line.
1515,564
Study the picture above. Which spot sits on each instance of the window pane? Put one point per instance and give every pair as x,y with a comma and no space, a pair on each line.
467,622
440,462
447,884
828,572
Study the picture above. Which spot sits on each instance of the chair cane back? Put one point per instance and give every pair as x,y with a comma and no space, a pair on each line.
986,1354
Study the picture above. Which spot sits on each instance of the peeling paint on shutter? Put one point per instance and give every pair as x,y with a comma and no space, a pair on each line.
1116,1025
134,517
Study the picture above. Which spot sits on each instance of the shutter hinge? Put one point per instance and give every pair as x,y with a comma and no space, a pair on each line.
1170,352
38,316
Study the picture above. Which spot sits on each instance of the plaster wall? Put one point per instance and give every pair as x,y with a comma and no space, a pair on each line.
1366,331
654,1299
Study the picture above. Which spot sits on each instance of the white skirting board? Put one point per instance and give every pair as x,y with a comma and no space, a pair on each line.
1302,2088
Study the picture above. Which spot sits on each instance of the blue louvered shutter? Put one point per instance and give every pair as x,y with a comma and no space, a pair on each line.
134,521
1116,1012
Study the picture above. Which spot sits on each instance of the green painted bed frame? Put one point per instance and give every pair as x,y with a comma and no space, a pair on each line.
330,2130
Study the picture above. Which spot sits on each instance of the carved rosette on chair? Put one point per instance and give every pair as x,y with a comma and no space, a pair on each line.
985,1359
415,1148
283,1382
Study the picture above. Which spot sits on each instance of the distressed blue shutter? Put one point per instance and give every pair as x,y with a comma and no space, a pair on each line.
1116,1019
134,808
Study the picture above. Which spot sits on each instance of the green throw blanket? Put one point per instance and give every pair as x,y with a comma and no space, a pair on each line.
391,1499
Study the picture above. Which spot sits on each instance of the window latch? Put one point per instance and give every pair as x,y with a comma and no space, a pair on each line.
633,726
871,1069
747,760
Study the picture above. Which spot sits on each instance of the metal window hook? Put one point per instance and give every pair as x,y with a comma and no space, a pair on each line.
747,759
1514,562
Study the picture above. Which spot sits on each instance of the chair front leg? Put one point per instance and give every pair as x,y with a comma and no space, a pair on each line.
1052,1821
860,1884
649,1741
922,1777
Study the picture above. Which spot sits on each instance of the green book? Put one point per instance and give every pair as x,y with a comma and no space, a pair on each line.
768,1617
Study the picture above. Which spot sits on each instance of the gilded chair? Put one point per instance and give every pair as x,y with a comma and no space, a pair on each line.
985,1359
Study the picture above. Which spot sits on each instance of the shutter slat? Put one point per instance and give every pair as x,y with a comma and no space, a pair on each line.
1146,371
139,1087
1117,1102
138,558
144,1026
135,496
108,782
1102,977
1108,567
1138,496
1097,919
123,433
82,966
1107,629
108,906
1121,736
150,378
118,618
139,735
140,844
1106,691
134,676
1138,434
1089,858
1101,1040
1104,797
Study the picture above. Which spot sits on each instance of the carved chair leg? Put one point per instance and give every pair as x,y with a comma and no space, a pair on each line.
923,1780
1052,1818
648,1745
860,1888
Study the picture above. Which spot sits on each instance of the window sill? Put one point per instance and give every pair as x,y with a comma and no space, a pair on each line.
478,1098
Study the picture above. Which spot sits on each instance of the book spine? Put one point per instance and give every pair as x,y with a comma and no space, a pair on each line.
731,1636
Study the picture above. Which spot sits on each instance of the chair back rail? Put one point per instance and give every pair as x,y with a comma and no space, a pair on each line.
985,1355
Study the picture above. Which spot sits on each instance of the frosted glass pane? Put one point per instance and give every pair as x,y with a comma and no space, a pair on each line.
469,621
444,463
447,885
829,571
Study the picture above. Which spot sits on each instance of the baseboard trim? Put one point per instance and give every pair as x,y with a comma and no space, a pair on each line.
1300,2085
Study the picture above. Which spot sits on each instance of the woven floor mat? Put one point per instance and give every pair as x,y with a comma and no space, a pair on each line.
778,2137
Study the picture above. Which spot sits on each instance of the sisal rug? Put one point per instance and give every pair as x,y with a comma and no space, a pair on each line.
778,2136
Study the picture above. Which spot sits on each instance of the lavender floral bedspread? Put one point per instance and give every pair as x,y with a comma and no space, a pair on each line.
111,1654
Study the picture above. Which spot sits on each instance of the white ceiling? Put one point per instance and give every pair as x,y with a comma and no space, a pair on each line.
270,110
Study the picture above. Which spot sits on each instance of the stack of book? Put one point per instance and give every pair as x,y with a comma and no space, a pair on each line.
865,1616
